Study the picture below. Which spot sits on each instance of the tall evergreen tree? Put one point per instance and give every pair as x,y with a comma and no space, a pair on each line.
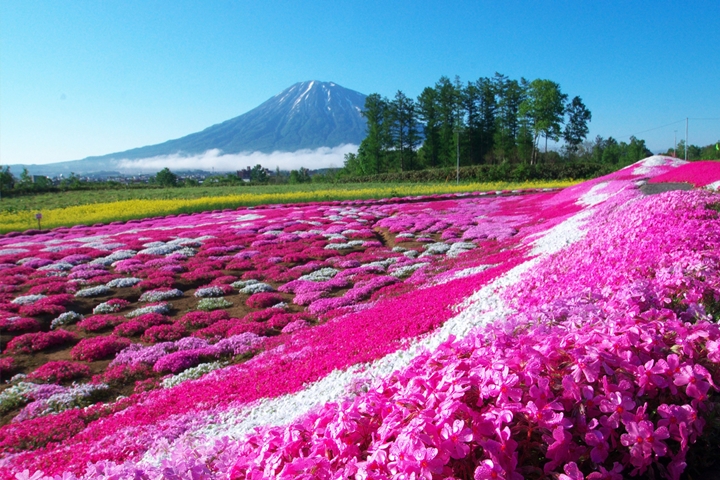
427,107
470,100
487,107
403,130
510,94
372,152
448,104
576,128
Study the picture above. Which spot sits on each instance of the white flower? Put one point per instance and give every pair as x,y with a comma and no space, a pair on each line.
191,374
28,299
258,287
161,308
436,248
213,291
16,396
123,282
94,291
407,269
208,304
160,295
114,257
322,275
66,318
185,252
159,248
342,246
459,247
57,266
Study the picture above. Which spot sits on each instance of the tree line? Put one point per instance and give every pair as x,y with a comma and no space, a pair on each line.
488,121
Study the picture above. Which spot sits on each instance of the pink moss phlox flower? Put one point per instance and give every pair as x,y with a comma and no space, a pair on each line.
697,379
560,448
489,470
619,406
598,440
455,438
603,474
572,472
644,440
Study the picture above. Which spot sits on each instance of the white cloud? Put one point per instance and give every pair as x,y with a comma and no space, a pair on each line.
324,157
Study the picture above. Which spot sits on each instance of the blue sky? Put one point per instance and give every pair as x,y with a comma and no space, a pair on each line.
87,78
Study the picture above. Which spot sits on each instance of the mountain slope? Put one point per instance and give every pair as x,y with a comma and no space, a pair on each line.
307,115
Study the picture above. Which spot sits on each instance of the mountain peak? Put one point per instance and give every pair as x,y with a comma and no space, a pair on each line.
305,116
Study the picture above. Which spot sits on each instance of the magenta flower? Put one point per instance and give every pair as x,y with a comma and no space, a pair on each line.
604,474
697,379
489,470
572,472
598,440
677,418
650,376
619,407
455,439
430,462
587,366
643,439
503,386
559,448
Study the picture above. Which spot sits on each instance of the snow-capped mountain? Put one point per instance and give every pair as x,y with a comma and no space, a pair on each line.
307,115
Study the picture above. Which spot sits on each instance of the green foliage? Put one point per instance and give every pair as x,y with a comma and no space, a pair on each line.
372,153
258,174
7,181
301,176
166,178
576,128
488,121
543,109
708,152
610,152
403,130
210,304
502,172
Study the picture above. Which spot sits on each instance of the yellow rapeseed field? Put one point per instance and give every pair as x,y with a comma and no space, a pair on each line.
135,209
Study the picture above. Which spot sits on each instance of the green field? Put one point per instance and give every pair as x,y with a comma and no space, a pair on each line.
51,201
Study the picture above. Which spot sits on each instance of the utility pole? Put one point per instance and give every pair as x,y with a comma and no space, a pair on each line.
457,181
675,145
686,139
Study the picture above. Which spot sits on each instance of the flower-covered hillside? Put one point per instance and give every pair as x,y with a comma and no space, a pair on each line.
564,334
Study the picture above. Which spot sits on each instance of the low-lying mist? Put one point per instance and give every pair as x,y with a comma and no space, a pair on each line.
323,157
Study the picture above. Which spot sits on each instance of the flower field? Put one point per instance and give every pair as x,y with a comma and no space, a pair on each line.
73,208
564,334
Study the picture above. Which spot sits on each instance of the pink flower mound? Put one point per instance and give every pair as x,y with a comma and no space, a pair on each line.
612,377
36,342
60,371
6,366
203,319
178,361
52,305
98,348
19,325
164,333
263,300
98,323
698,173
505,396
